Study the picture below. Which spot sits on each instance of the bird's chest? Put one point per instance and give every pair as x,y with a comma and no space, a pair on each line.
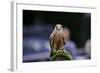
58,40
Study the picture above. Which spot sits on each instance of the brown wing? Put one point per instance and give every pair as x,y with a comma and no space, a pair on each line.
64,38
51,39
51,43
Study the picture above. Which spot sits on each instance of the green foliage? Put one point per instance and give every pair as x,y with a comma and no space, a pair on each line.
61,55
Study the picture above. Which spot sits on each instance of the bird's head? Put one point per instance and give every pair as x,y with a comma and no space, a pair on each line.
58,27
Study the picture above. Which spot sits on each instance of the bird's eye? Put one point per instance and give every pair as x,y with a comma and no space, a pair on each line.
56,27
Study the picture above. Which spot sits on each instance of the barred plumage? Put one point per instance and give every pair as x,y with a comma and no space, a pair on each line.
57,39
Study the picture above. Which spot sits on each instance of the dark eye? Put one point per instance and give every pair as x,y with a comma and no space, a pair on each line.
56,26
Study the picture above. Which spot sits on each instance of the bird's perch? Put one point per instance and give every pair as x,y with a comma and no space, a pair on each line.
61,55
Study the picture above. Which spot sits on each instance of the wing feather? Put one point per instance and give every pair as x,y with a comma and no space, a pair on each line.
51,42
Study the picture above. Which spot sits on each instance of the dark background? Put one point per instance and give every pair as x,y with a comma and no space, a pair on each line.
38,25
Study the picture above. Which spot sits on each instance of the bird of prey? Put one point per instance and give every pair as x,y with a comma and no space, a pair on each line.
57,39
